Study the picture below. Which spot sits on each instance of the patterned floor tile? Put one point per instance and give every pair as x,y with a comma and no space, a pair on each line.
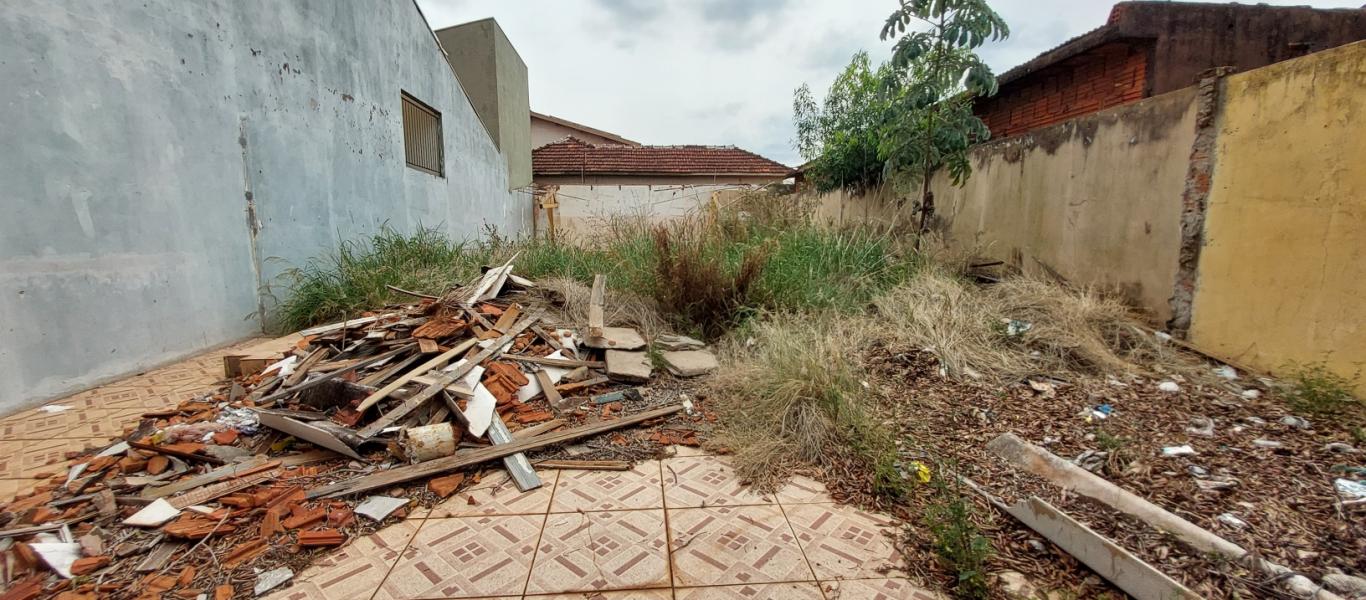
596,551
37,424
843,542
734,545
664,594
803,490
877,589
686,451
609,490
496,494
9,488
24,459
353,572
466,557
700,481
803,590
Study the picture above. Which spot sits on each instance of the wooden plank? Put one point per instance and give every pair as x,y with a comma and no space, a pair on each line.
519,468
491,282
550,340
537,429
222,488
585,465
552,395
439,361
596,320
566,363
508,317
446,378
379,376
394,288
158,556
578,385
301,371
335,374
233,470
1128,572
350,324
464,459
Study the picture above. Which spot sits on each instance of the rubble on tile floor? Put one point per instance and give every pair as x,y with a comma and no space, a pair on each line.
336,432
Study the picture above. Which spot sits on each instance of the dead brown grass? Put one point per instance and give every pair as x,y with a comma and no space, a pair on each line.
695,283
569,299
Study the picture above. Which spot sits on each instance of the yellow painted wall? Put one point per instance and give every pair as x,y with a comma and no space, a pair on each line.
1282,274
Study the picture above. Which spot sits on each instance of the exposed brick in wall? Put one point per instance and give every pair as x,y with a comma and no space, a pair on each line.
1106,76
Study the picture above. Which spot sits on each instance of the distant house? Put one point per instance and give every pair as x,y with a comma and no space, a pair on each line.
593,183
546,129
1151,48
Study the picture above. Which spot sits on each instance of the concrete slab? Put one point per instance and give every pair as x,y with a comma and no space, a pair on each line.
634,367
690,363
617,338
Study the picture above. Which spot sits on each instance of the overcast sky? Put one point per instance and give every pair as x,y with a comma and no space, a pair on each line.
723,71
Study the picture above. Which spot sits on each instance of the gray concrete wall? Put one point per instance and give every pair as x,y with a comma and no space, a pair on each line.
495,79
134,132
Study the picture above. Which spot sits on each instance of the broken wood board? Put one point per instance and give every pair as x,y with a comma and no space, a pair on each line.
578,385
537,429
219,474
566,363
1068,476
596,300
335,374
349,324
491,282
220,489
464,459
585,465
435,363
159,555
552,396
176,453
307,432
1128,572
301,371
446,378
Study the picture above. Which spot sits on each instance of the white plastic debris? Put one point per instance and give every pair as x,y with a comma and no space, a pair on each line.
1163,336
1183,450
1252,394
285,366
58,555
1201,426
1169,386
687,405
153,515
1016,327
533,385
1264,443
1232,521
1350,489
272,579
1296,422
1226,372
54,408
378,507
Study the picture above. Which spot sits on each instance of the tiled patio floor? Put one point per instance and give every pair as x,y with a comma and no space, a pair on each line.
681,527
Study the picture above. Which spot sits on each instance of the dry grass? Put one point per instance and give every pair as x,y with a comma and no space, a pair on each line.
791,394
695,282
1070,331
621,308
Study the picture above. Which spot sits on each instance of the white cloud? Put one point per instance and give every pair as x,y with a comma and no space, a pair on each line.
723,71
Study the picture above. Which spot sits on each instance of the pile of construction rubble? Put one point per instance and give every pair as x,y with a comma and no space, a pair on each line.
231,494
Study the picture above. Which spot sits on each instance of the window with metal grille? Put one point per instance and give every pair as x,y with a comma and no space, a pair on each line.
422,136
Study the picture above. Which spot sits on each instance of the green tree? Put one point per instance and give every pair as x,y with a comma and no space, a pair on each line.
937,74
840,136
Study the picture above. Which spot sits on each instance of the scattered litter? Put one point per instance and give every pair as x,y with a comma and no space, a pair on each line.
59,556
1342,447
1251,394
1197,471
153,515
1349,488
1169,386
1232,521
1265,443
1184,450
54,408
1016,327
1201,426
1296,422
669,341
376,508
1226,372
1045,388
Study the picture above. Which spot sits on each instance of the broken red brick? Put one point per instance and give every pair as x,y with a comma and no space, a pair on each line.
225,438
321,537
86,566
158,464
186,576
303,517
443,487
223,592
340,516
245,552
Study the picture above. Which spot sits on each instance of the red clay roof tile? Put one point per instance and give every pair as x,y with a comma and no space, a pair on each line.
572,156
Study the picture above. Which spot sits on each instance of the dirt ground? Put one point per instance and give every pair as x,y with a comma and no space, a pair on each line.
1284,495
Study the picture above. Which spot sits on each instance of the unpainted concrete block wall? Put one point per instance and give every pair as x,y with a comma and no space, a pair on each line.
167,161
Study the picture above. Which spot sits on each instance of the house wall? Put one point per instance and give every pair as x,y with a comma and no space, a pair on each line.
495,80
1283,269
1107,76
166,159
586,211
546,132
1096,199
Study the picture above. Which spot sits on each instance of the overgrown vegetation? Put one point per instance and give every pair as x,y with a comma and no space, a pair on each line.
792,394
961,547
840,135
1314,390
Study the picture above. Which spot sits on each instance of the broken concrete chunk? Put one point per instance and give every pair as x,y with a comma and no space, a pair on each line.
617,338
628,366
272,579
378,507
153,515
689,363
669,341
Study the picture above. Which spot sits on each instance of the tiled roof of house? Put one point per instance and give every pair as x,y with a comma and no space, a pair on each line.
572,156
